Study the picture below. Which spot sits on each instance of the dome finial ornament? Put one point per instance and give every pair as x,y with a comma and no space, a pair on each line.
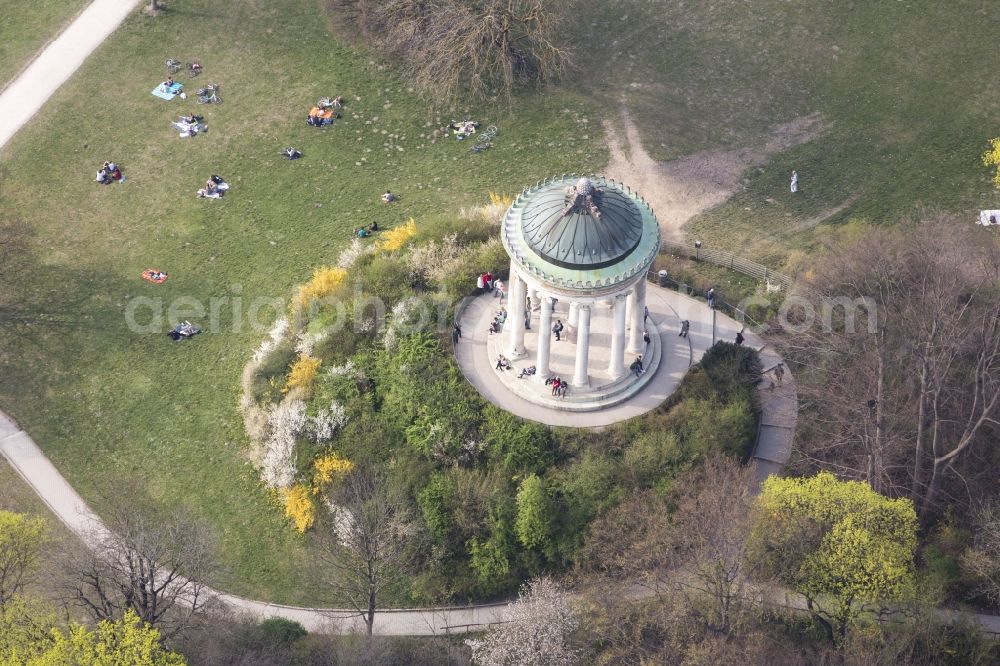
583,198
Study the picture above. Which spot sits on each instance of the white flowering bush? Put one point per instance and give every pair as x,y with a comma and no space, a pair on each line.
306,342
353,252
325,425
287,421
435,261
535,629
341,370
274,337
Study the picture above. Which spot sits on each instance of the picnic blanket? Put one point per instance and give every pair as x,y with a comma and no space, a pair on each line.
148,275
163,92
984,217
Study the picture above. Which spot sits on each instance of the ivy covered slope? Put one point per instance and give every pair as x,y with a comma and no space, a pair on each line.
489,499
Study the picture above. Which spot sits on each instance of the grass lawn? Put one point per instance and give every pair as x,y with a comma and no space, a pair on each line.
907,92
27,27
106,403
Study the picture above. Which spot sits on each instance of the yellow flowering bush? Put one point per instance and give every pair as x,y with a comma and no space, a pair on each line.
323,283
303,373
992,158
328,467
299,507
394,239
502,200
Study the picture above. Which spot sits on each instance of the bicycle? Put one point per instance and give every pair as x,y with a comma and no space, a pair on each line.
209,94
209,98
173,66
193,69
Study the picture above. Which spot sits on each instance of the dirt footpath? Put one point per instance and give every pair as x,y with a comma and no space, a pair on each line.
680,189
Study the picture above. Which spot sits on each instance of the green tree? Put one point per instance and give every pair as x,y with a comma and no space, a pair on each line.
126,642
839,543
534,513
21,539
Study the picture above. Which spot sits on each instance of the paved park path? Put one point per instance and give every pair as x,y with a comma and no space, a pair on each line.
26,95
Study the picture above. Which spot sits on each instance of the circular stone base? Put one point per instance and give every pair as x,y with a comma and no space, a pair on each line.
602,392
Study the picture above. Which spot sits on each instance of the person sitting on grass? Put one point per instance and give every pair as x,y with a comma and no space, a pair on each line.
388,197
291,154
168,83
103,177
373,227
361,232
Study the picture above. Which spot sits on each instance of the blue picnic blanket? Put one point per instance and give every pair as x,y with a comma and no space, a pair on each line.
166,93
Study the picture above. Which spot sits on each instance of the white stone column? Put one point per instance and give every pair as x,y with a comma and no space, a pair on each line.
636,313
544,339
580,376
515,315
630,309
574,314
616,365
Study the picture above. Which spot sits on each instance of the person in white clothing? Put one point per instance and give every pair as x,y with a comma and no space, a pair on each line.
795,181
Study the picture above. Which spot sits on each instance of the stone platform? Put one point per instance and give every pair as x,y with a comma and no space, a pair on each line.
476,356
602,391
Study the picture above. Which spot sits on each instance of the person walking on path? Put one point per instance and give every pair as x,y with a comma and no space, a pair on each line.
645,314
711,298
795,182
739,338
499,288
685,326
645,337
779,371
456,333
557,328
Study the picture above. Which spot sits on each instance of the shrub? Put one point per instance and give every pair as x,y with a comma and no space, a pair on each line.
323,283
326,423
299,507
534,513
279,631
286,421
434,501
265,378
328,467
303,373
395,239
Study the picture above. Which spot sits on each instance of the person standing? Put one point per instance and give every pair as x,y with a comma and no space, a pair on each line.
557,328
645,337
779,371
456,333
795,182
711,298
685,325
500,288
739,338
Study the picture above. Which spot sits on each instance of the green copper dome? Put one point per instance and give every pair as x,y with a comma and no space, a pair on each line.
582,226
581,235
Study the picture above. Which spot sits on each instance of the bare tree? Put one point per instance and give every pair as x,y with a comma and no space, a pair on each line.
694,555
361,553
982,560
708,544
900,372
534,631
154,565
483,48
